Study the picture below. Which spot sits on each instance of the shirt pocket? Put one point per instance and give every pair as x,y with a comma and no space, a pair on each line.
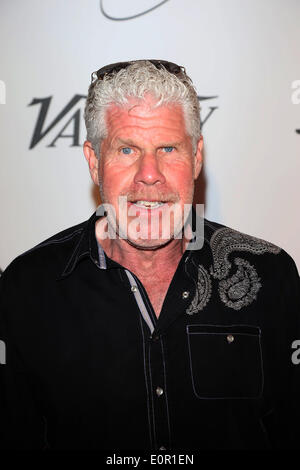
225,361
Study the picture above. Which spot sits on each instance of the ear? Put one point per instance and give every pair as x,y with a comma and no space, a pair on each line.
198,158
92,160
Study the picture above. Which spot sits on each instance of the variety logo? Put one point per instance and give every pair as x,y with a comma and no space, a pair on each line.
122,7
41,129
67,123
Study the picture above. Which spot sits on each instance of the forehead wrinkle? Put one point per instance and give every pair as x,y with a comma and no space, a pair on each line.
161,142
144,136
143,122
143,107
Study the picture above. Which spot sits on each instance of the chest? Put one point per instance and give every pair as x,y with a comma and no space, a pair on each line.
157,291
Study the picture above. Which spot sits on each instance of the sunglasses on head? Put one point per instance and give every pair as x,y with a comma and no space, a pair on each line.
108,69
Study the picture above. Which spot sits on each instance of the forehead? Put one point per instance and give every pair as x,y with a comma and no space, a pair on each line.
141,115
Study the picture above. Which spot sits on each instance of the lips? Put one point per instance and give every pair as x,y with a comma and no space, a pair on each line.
145,206
148,204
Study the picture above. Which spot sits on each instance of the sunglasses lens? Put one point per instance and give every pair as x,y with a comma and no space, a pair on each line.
111,68
108,69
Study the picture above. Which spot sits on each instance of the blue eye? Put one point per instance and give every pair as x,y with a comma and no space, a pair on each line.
168,149
126,150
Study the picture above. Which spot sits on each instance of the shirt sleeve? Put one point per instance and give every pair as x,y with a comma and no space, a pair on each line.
282,424
22,425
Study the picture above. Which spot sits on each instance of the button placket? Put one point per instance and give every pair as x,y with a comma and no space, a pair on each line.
159,400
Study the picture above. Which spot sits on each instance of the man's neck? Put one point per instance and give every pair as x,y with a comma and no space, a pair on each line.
148,263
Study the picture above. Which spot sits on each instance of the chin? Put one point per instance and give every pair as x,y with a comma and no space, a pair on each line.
141,244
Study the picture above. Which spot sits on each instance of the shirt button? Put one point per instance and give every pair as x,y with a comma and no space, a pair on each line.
154,338
230,338
159,391
185,294
133,288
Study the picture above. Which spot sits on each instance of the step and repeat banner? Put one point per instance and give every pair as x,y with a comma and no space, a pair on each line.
243,57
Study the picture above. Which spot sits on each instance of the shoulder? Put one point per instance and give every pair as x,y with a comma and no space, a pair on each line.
225,236
49,253
245,266
226,242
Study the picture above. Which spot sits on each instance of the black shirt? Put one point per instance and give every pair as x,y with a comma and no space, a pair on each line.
89,366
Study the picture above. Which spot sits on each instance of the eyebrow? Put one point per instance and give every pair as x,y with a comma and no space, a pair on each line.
171,144
130,142
124,142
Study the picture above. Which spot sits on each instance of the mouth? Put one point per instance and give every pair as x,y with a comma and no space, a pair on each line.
146,204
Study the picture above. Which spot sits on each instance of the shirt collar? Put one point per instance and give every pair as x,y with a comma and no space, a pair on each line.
88,246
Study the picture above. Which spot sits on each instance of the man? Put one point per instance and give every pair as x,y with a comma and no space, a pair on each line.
124,332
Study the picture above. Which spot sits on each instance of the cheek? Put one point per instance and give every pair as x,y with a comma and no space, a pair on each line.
115,179
181,177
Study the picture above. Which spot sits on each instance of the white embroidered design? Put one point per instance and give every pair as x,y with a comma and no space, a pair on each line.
226,240
241,288
203,292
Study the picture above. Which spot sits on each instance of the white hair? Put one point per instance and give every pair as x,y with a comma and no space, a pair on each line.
134,81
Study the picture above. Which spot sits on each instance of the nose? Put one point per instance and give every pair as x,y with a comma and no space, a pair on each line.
148,170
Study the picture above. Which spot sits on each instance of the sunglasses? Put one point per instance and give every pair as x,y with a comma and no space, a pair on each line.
159,64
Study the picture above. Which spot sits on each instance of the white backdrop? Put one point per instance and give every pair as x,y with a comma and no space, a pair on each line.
245,53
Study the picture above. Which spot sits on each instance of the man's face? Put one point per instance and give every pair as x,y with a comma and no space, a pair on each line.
147,156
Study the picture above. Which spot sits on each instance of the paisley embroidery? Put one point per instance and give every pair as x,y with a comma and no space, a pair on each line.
241,288
226,240
203,292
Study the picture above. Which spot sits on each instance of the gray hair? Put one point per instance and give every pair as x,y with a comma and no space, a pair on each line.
138,78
